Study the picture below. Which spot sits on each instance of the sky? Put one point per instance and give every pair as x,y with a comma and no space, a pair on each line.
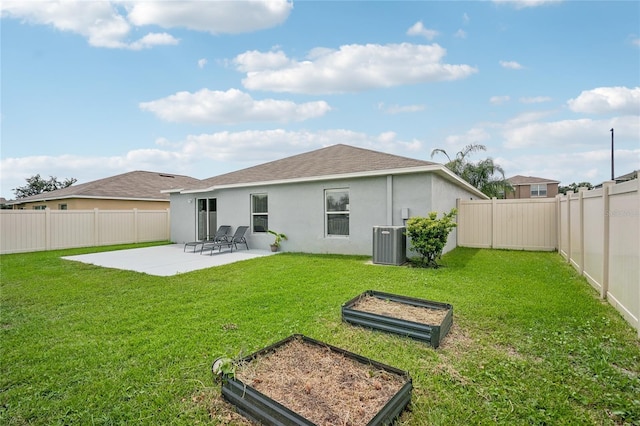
92,89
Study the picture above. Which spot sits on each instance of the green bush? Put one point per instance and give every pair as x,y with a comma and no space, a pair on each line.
429,234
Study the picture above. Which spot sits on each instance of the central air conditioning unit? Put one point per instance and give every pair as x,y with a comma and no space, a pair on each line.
389,245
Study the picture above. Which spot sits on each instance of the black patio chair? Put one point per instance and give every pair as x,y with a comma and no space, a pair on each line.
237,238
222,234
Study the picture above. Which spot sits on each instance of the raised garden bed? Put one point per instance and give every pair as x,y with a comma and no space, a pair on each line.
301,381
416,318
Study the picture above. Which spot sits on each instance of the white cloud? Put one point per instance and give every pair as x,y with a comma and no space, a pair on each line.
460,34
352,68
109,24
476,135
570,133
499,100
603,100
535,100
418,29
521,4
399,109
231,17
230,107
592,166
201,63
466,18
511,65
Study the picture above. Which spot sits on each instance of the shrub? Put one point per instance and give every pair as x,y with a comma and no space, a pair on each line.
429,235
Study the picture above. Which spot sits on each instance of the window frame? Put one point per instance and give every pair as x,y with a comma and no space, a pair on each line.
327,213
262,214
538,187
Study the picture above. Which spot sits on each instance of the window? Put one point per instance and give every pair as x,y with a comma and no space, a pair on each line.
259,212
62,207
39,207
337,211
539,190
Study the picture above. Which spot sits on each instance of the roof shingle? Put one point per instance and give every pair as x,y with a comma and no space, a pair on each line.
332,160
136,185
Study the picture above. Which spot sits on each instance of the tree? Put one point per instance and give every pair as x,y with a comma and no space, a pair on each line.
37,185
573,187
486,175
428,235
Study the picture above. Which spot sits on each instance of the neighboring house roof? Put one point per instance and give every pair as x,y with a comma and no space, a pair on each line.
628,176
335,161
137,185
528,180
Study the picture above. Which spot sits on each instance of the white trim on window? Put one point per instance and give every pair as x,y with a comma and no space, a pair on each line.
538,190
259,213
336,212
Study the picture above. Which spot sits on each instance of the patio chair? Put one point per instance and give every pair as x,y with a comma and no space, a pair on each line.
237,238
222,234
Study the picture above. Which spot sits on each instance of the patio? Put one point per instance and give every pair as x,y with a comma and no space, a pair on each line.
165,260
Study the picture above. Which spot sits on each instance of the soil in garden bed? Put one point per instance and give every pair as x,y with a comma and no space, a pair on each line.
403,311
322,385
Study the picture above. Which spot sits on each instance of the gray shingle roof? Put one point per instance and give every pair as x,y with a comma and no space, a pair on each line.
333,160
137,185
526,180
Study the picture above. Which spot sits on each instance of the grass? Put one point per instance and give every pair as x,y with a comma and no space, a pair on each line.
531,342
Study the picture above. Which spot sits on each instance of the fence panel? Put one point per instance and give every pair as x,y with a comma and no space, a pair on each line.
36,230
623,289
593,235
71,228
21,232
474,224
508,224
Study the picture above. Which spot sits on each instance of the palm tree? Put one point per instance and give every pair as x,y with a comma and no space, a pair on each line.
485,175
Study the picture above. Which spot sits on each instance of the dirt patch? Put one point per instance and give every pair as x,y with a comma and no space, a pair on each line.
324,386
400,310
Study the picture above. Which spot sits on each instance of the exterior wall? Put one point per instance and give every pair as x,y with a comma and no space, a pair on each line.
95,203
297,210
183,217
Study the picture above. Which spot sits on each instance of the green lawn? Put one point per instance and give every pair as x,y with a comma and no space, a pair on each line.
531,342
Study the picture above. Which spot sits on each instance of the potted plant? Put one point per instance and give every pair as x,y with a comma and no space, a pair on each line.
276,242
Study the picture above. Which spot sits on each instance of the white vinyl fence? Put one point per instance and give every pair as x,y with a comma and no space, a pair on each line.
37,230
597,232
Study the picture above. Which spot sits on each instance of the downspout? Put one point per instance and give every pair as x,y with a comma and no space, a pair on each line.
389,200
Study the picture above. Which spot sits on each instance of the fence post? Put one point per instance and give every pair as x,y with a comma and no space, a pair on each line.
582,230
47,228
168,224
569,226
493,222
135,226
558,225
606,188
96,228
458,222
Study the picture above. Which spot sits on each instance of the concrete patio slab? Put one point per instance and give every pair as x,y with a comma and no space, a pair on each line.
165,260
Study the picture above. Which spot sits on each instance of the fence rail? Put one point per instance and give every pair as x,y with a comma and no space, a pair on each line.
36,230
